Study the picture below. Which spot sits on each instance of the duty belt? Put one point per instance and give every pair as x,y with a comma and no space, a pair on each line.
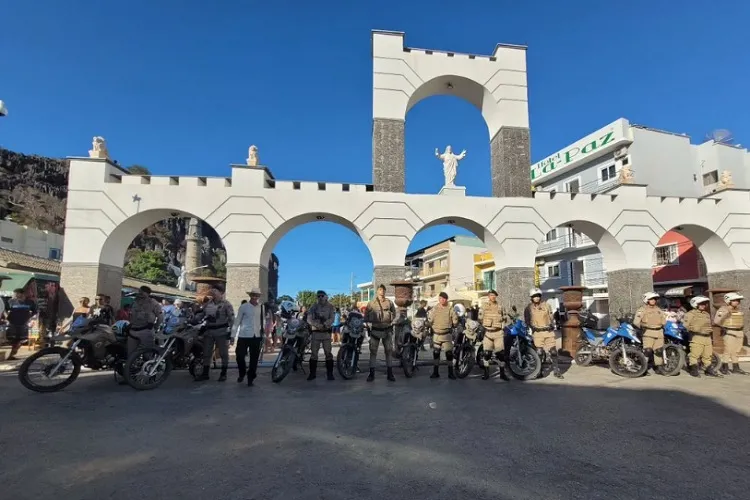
700,334
381,329
653,327
149,326
734,329
216,327
541,329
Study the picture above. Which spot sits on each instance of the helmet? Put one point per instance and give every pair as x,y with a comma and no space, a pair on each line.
732,296
460,310
648,296
535,291
698,299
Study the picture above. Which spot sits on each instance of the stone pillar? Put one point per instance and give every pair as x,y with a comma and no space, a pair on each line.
572,299
387,275
193,242
626,288
388,155
513,285
511,158
87,280
241,278
734,281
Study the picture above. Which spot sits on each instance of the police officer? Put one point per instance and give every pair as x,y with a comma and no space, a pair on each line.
219,316
145,314
320,318
493,318
651,318
538,315
698,324
442,319
732,322
381,313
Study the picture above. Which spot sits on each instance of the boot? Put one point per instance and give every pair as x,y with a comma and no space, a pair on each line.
240,378
223,374
694,371
313,369
451,371
435,372
724,368
435,369
711,372
739,371
486,373
389,375
329,369
204,374
371,376
556,366
500,357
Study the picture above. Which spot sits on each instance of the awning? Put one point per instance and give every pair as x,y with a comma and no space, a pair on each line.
20,280
679,291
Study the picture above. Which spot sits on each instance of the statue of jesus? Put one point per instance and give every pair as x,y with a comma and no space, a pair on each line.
450,164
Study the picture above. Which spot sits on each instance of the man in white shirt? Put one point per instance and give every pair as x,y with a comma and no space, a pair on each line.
248,334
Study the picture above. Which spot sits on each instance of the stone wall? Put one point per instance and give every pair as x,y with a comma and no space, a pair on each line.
386,275
513,285
388,172
626,289
510,157
85,280
243,278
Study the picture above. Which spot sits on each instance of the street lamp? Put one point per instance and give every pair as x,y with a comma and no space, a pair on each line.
3,109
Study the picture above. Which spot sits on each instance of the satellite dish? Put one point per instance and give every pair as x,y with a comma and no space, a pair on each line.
721,136
3,109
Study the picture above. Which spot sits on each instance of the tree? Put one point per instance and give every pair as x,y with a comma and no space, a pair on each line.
34,208
138,170
149,265
342,301
219,262
306,298
286,298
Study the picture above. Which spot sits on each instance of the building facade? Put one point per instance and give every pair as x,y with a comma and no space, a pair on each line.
24,239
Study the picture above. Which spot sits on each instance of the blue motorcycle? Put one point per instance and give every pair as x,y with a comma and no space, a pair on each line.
673,353
522,358
620,346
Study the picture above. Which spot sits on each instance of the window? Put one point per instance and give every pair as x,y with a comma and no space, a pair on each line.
711,178
553,271
625,161
430,266
488,280
666,256
443,263
432,289
608,173
552,235
573,186
6,240
54,253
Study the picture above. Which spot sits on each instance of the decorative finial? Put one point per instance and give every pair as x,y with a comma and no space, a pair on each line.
252,156
99,149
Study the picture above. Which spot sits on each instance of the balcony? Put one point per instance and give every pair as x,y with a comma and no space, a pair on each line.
569,240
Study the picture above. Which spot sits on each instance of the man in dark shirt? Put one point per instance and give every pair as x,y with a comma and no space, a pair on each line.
19,314
422,311
102,312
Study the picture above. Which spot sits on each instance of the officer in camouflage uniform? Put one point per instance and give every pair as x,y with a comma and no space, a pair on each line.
538,316
732,321
698,324
493,319
381,313
145,314
219,316
442,319
320,318
651,318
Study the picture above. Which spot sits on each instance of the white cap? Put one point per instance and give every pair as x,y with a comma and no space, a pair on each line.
649,295
732,296
698,299
535,291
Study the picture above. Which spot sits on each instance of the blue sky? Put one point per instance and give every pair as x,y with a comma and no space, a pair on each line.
185,86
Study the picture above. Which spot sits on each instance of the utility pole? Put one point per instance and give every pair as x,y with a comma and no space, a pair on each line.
351,287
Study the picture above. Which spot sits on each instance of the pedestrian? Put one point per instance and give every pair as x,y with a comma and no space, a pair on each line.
320,318
102,312
381,314
145,314
19,313
651,318
732,321
336,326
175,317
698,324
83,310
492,317
219,316
421,310
538,316
124,313
442,319
248,333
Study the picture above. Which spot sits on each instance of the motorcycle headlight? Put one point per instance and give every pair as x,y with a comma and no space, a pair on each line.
294,325
356,323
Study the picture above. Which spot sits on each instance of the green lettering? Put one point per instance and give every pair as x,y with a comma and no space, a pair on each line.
569,157
592,144
607,138
549,167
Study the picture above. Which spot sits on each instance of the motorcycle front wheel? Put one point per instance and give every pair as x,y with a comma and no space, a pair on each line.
632,364
465,361
407,359
35,378
283,364
675,360
141,363
346,361
195,365
524,363
584,356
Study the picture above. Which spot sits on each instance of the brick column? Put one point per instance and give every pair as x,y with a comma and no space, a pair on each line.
511,160
386,275
388,155
241,278
513,285
626,288
87,280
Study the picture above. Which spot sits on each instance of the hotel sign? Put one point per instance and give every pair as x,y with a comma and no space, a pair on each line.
591,146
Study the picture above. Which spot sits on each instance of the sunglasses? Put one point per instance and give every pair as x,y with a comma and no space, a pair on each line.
321,296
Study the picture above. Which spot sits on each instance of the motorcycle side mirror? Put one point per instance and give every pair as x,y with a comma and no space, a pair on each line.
513,308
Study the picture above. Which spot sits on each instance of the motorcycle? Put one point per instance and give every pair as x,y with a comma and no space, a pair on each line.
619,346
93,345
414,336
523,360
149,366
673,353
296,341
352,336
466,334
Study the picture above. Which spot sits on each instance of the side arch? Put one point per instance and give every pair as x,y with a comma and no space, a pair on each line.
477,229
715,251
612,252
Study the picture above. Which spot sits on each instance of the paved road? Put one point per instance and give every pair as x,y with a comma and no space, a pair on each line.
591,436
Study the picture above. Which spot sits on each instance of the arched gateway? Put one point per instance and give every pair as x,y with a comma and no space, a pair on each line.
251,210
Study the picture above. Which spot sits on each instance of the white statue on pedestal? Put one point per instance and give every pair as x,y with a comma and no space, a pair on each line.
726,182
99,148
450,164
626,175
252,156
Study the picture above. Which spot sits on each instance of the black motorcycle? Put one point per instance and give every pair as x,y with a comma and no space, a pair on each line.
414,335
352,336
466,336
150,366
291,357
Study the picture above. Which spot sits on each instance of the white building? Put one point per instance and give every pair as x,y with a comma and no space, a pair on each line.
667,164
30,241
